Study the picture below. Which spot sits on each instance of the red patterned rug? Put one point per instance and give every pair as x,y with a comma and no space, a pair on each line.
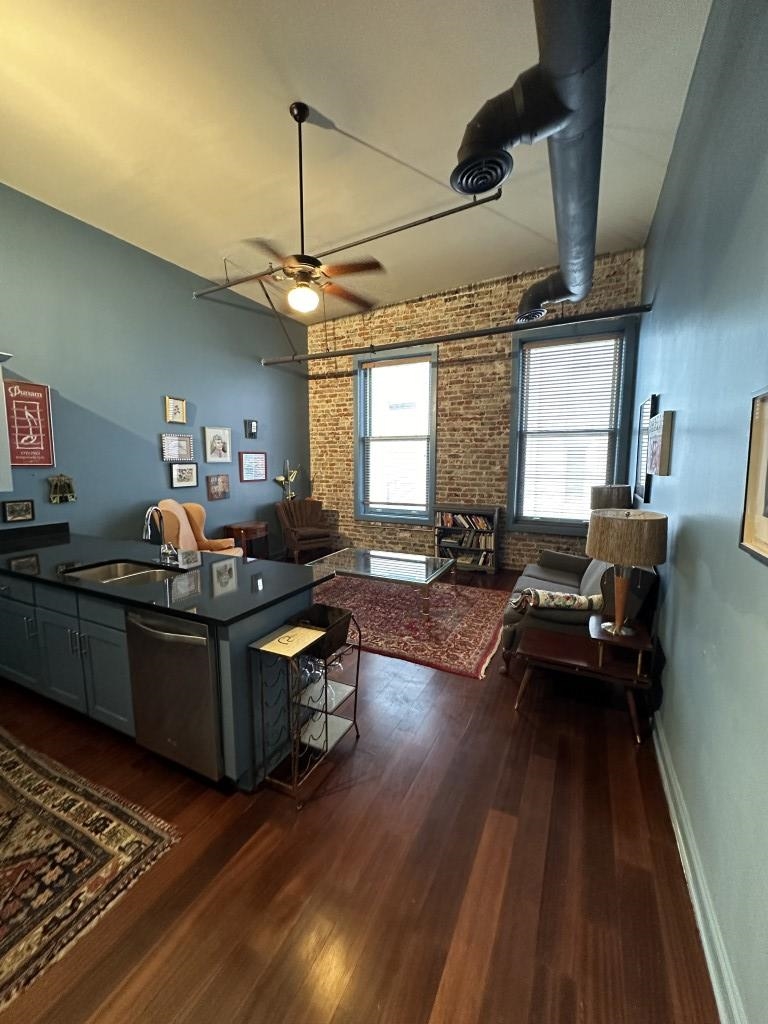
459,634
68,849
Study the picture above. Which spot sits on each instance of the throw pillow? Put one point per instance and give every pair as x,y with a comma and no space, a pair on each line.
530,598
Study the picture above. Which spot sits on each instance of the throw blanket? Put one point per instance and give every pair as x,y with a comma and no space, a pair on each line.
530,598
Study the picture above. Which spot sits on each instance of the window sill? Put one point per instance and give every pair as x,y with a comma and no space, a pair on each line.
376,517
564,527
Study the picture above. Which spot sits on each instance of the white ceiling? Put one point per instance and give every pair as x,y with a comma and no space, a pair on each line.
165,123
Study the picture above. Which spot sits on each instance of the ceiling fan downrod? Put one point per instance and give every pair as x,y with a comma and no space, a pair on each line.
300,113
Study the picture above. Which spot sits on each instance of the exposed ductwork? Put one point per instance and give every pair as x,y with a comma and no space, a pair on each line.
561,99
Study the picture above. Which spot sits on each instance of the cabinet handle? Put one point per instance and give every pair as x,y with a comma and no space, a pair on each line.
30,626
5,587
83,644
73,638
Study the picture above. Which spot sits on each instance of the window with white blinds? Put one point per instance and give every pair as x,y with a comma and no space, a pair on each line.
395,421
570,395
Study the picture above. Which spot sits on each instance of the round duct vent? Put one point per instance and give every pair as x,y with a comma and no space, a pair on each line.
481,172
537,313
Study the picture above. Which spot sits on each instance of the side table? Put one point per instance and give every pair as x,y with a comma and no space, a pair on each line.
249,536
617,659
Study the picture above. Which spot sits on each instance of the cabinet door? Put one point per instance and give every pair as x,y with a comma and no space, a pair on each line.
19,651
62,667
107,676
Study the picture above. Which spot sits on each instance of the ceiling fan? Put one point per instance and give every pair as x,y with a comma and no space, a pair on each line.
309,274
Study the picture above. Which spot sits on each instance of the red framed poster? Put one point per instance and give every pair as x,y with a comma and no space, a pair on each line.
30,433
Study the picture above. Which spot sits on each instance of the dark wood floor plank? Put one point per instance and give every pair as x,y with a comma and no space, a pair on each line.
461,862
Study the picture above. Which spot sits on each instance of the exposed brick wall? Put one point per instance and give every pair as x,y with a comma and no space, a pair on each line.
473,401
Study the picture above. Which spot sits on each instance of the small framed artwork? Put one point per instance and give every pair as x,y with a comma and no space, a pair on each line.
184,474
218,486
253,466
175,409
177,447
224,576
754,521
186,584
29,564
250,429
643,478
189,559
18,511
218,444
659,443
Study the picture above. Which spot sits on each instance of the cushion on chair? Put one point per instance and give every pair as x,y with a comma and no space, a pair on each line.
551,578
307,532
590,581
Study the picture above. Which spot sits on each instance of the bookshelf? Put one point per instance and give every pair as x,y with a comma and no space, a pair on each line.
467,533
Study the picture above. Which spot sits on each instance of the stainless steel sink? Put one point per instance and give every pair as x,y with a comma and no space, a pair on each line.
123,572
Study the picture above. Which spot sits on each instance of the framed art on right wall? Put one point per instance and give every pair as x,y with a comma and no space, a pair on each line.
754,521
643,478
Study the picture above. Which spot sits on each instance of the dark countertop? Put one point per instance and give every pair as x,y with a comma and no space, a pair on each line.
221,591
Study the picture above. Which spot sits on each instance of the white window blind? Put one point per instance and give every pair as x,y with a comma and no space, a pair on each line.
570,394
395,436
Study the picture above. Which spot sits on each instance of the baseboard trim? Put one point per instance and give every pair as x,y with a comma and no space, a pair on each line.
727,995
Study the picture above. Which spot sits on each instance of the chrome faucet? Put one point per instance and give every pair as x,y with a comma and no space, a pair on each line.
168,554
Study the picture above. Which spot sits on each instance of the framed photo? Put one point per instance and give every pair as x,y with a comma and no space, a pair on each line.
175,409
177,447
218,486
250,429
186,584
218,444
754,522
30,430
18,511
184,474
224,576
253,466
643,478
25,563
659,443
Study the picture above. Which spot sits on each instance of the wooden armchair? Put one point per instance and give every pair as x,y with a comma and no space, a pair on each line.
304,529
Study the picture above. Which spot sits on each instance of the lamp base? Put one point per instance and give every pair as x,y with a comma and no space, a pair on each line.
615,630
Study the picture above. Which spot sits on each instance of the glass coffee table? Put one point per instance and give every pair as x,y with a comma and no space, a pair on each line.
419,571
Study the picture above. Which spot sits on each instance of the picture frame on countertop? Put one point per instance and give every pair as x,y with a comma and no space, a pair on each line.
643,478
224,576
177,447
175,409
253,466
218,444
20,510
754,521
29,564
184,474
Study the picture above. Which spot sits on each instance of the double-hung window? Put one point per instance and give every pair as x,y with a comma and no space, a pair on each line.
395,437
572,427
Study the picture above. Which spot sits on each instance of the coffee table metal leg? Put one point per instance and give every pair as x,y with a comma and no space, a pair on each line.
523,683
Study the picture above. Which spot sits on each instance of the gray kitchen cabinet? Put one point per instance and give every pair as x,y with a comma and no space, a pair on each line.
107,676
61,651
19,649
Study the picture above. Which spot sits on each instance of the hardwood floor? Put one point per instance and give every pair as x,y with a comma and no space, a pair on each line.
461,863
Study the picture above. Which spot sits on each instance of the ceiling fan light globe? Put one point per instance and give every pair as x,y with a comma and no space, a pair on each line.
303,298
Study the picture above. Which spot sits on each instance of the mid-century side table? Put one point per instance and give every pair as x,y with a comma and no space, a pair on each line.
250,536
601,655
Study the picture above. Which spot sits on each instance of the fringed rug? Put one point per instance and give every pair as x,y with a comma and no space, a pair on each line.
459,634
68,849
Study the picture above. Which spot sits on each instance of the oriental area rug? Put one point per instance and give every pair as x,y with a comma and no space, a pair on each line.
68,849
459,634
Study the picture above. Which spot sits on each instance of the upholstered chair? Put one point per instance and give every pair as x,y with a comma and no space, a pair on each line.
184,529
303,526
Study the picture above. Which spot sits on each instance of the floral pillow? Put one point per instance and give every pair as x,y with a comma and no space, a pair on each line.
530,598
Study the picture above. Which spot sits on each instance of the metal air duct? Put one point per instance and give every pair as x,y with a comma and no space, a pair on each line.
562,99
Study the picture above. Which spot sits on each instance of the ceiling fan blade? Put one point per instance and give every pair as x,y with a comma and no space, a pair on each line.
342,293
266,246
360,267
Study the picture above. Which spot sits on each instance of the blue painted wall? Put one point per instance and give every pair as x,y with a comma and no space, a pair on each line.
112,329
705,351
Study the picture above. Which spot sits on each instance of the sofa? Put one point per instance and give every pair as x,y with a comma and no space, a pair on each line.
571,574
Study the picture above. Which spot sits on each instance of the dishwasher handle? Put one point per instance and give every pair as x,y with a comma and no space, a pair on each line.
171,638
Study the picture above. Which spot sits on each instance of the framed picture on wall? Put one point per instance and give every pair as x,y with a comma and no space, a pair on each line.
176,447
184,474
218,444
218,486
643,478
253,466
175,409
18,511
754,521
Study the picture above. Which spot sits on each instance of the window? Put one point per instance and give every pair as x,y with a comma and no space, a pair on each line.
572,431
395,433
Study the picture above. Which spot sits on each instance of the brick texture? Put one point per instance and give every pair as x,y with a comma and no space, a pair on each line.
473,401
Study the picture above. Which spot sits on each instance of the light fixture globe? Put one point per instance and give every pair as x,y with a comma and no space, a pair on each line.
303,298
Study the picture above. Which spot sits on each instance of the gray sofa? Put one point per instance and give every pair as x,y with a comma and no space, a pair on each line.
570,574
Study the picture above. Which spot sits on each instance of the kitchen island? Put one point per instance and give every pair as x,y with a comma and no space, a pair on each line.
65,637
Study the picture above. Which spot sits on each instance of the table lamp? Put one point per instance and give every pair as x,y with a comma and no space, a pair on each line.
611,496
626,537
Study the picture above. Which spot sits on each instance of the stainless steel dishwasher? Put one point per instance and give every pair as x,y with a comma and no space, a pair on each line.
175,690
